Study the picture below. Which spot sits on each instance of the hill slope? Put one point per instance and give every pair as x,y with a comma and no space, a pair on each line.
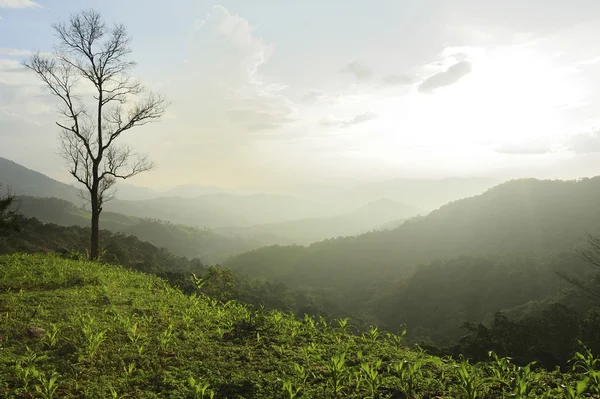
24,181
523,216
182,240
306,231
78,329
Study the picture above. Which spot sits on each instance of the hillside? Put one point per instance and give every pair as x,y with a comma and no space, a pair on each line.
220,210
182,240
448,264
426,194
24,181
522,216
78,329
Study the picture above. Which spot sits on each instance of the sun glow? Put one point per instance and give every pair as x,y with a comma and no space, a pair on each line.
513,95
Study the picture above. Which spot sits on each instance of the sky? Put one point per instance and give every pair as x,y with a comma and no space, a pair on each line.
277,92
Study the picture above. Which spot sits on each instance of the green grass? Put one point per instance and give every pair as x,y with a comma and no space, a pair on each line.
113,333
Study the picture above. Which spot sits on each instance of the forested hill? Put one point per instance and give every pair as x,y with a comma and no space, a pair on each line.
525,216
179,239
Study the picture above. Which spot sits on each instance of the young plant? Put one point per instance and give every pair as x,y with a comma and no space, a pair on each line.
26,374
522,384
372,377
129,369
336,370
288,388
372,335
165,338
200,389
578,391
134,333
51,337
301,373
343,325
93,338
470,380
47,386
588,364
409,375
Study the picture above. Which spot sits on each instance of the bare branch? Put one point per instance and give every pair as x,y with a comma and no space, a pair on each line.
89,51
122,163
148,110
587,282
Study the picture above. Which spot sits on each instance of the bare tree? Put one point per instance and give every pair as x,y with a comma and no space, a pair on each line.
9,215
90,52
587,282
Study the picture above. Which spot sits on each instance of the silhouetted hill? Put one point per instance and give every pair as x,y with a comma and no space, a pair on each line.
306,231
523,216
426,194
221,210
24,181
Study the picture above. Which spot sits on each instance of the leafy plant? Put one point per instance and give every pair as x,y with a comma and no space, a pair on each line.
336,370
372,377
200,389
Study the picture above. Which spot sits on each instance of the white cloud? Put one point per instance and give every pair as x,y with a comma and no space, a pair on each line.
14,52
532,147
19,4
445,78
258,103
357,120
358,70
584,143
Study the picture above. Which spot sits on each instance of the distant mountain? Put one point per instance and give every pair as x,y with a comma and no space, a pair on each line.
523,216
193,190
423,193
309,230
24,181
426,194
125,191
221,210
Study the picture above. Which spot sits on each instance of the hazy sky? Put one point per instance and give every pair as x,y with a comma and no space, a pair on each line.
273,91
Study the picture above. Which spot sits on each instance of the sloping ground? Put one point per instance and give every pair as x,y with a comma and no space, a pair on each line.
73,329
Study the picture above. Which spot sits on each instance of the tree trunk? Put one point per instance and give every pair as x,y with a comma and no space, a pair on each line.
95,224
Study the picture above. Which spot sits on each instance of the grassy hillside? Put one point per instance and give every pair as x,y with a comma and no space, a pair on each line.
77,329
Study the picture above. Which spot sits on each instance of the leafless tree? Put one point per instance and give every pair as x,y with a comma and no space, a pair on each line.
88,51
587,282
9,215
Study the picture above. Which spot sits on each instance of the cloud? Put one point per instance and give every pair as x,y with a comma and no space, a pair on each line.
359,71
533,147
584,143
446,78
255,119
397,80
343,123
19,4
313,96
14,52
256,102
